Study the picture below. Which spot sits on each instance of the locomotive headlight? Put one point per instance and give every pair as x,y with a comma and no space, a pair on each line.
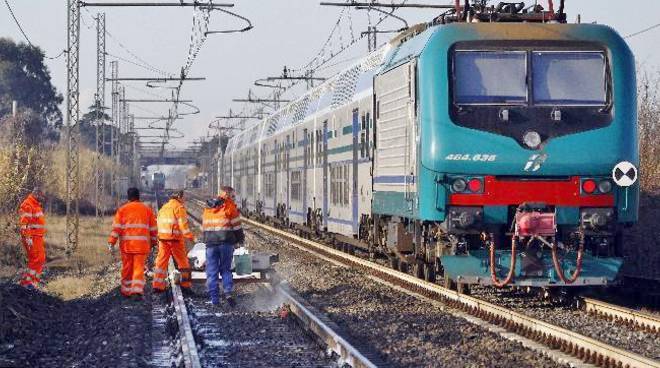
605,186
532,139
458,185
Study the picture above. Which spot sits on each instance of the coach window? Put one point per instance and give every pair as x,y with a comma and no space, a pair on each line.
369,125
333,185
319,146
276,154
363,126
296,185
346,186
308,146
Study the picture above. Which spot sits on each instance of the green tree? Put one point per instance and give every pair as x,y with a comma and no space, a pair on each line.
88,128
25,78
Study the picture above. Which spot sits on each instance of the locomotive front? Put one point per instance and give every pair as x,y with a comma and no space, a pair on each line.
521,128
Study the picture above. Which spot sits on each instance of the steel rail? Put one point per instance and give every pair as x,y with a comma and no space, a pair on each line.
314,323
189,351
585,348
641,320
310,321
188,345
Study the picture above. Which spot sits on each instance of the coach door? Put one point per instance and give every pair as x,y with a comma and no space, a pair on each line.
276,173
324,137
394,161
304,171
287,150
354,200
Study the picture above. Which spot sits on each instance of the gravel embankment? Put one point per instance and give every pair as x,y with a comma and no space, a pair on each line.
38,330
252,334
643,343
405,330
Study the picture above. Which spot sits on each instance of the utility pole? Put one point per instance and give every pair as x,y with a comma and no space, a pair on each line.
135,156
114,72
121,132
100,120
72,126
372,42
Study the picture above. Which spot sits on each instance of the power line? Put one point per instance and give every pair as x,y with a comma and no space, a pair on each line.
18,23
317,63
642,31
143,62
133,62
20,28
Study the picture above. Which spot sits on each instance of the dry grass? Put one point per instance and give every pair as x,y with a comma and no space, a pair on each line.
67,278
77,274
91,251
69,287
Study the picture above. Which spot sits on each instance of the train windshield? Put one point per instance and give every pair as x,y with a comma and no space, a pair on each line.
569,78
490,77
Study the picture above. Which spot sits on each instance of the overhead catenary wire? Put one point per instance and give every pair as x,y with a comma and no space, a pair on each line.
145,67
642,31
140,62
317,63
129,51
20,28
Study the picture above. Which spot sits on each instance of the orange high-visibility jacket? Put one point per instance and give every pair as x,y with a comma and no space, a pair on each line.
135,227
173,222
31,217
222,224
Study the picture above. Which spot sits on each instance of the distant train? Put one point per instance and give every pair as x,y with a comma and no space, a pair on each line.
157,181
486,133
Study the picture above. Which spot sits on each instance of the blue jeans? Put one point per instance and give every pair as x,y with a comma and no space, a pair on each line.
218,261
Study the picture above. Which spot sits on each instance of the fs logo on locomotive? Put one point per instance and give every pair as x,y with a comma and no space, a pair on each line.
535,162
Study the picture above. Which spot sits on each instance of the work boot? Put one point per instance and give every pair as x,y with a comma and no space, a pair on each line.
230,300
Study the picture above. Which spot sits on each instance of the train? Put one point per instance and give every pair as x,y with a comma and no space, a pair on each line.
480,148
157,181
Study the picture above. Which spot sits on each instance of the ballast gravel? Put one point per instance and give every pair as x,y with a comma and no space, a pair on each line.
405,330
643,343
38,330
253,333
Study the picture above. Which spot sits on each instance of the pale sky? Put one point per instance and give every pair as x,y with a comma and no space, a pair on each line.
287,32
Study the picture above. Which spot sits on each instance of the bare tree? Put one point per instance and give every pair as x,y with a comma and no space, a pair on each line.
649,129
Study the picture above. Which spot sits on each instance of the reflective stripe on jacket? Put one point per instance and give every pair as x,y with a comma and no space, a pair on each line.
222,224
173,222
135,228
31,217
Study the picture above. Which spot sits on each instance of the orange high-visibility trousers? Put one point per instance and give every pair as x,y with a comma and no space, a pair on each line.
132,273
36,258
167,249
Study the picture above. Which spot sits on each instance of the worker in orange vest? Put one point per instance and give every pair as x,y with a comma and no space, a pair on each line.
32,230
135,227
221,223
173,230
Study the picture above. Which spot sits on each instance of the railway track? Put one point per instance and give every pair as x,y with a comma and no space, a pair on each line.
644,321
256,334
529,330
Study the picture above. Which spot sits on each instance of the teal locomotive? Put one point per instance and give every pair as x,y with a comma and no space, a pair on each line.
479,148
